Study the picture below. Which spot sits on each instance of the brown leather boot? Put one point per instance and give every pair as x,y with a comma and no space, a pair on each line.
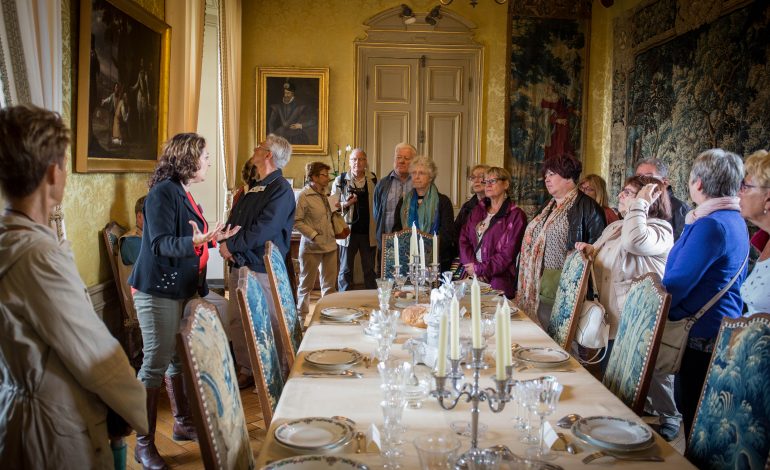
184,428
145,451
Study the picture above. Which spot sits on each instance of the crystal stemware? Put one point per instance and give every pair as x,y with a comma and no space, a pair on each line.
546,396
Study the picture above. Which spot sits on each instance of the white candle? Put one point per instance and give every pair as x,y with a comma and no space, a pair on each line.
500,343
442,337
454,348
422,253
435,248
476,313
506,317
413,244
395,251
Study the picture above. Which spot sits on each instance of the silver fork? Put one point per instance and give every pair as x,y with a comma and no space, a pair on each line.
636,458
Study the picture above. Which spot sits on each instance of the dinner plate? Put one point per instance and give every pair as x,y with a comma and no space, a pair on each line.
311,434
341,313
541,357
313,462
333,359
611,433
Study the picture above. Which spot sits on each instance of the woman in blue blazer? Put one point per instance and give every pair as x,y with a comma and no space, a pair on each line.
171,269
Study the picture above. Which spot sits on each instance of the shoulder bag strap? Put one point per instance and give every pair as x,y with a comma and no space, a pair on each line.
719,294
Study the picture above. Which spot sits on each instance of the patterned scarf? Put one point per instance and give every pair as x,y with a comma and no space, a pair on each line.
533,253
424,215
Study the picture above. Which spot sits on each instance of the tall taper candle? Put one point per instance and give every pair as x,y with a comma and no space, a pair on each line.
442,337
500,344
435,248
476,313
506,317
454,344
422,253
413,244
395,251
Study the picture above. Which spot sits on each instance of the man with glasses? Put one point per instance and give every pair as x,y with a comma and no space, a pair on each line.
390,190
476,180
658,169
356,189
265,212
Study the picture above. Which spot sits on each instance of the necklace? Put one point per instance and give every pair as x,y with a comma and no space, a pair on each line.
8,209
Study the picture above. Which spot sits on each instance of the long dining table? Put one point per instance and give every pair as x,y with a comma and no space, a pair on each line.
359,399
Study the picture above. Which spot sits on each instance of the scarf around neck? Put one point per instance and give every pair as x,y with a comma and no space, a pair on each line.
730,203
425,215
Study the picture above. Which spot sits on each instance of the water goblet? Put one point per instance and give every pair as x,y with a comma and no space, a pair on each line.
545,399
437,451
417,392
399,277
394,374
384,290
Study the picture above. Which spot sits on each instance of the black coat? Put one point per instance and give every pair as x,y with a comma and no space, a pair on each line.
446,230
586,221
168,266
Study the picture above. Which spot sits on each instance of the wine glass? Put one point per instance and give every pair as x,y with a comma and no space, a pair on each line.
384,290
546,395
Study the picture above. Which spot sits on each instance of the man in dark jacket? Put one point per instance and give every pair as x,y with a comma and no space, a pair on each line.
265,212
658,169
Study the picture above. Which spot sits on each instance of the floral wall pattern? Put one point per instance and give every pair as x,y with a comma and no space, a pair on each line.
687,79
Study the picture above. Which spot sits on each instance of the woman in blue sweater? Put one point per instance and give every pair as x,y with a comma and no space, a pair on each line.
708,254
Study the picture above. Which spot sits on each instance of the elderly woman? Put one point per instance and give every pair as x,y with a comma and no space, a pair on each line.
491,239
568,218
318,246
755,205
596,187
428,209
170,270
710,255
630,248
61,368
476,179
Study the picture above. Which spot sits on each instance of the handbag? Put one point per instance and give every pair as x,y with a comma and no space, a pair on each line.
341,229
676,333
593,330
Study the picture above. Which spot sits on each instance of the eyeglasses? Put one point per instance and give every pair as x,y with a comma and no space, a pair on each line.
476,178
264,148
492,180
745,186
627,192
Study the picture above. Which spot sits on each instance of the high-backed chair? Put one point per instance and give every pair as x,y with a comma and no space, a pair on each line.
633,355
732,422
217,408
570,295
389,256
288,318
263,352
129,334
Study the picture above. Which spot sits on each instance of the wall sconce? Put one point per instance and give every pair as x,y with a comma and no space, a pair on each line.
434,15
407,15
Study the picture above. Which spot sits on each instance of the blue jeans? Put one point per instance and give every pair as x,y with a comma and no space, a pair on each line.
159,321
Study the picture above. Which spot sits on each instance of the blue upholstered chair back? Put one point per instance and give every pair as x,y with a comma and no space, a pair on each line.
219,418
633,355
260,338
291,330
570,295
389,256
732,424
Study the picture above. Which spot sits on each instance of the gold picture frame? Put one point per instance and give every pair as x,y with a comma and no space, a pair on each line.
294,103
123,82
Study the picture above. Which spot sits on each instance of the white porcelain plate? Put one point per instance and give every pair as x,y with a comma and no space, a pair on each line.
334,359
541,357
613,433
313,462
313,433
341,313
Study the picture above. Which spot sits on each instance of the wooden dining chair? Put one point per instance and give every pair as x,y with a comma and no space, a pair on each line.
570,295
215,399
732,422
263,352
389,256
280,286
633,355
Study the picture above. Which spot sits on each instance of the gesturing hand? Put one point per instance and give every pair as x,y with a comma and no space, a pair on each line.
650,193
228,232
200,238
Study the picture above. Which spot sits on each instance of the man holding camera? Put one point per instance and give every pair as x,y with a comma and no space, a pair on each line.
356,190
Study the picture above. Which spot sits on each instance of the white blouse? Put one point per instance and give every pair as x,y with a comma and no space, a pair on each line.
756,288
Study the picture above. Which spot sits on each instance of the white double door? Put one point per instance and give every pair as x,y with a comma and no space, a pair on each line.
428,101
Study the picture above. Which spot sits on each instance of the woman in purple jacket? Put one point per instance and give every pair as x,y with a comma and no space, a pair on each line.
490,240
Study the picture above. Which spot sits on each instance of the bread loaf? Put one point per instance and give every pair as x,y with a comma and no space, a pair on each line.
414,315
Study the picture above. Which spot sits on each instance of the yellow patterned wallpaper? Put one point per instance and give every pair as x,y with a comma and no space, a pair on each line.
279,34
92,200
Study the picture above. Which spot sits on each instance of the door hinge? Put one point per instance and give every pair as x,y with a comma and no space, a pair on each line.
421,137
423,59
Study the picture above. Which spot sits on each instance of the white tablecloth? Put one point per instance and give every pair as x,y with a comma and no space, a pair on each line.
358,399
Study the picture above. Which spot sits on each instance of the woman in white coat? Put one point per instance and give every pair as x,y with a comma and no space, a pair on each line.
628,248
60,369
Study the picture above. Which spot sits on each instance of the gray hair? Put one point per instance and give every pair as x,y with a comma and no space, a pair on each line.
280,148
407,146
720,172
660,166
357,150
426,162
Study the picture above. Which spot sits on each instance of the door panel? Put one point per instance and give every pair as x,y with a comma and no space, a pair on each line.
389,127
392,84
443,131
445,85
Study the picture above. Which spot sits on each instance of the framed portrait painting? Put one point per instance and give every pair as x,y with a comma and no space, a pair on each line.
123,81
293,103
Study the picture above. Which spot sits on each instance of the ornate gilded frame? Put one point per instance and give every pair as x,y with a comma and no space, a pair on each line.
84,162
269,83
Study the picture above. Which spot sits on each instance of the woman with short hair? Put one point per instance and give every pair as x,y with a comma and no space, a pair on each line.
428,209
755,207
476,180
318,247
595,186
709,254
491,239
568,218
